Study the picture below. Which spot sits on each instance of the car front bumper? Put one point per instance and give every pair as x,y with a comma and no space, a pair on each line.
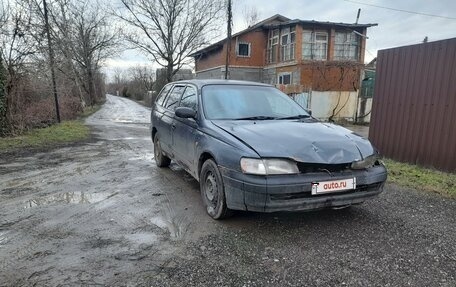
293,192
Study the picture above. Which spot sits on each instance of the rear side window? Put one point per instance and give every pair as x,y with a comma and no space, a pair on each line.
189,98
174,96
161,97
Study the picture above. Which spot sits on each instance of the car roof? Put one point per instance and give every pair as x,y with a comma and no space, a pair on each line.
203,82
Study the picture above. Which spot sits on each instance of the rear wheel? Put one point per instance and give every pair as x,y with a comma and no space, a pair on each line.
160,158
213,191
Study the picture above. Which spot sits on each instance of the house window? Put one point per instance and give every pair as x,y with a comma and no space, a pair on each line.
284,79
272,45
346,46
287,44
314,45
243,49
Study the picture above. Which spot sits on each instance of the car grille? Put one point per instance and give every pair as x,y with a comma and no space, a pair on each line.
308,194
316,167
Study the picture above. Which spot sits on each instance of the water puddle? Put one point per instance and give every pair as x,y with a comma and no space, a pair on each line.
131,138
121,120
176,226
131,121
68,198
145,156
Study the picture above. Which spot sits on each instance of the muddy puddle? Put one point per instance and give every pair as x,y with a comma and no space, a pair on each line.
67,198
100,209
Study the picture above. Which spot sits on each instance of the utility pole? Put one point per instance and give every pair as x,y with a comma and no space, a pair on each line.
51,60
228,40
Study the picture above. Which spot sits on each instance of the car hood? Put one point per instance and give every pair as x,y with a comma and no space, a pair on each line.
303,141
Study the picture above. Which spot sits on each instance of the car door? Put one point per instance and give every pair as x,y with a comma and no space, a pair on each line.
158,110
167,120
184,132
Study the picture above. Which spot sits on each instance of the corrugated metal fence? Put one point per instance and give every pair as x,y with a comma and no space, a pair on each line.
414,108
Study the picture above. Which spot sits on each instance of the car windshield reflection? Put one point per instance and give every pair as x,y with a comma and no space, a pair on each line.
243,102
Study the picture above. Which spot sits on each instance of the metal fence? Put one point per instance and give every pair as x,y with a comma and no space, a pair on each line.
414,108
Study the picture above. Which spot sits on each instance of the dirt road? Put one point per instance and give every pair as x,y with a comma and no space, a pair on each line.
101,213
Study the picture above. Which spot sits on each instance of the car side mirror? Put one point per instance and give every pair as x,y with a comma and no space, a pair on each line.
185,113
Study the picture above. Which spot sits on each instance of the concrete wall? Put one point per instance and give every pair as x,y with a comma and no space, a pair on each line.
364,110
322,105
339,105
235,73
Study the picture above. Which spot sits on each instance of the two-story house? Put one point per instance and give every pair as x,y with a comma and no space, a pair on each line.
318,63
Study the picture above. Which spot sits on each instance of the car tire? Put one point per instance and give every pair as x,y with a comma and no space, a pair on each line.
213,191
161,160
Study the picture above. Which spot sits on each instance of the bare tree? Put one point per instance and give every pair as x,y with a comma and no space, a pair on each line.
3,119
4,6
16,46
171,30
86,37
3,110
64,39
140,83
144,76
15,37
250,15
82,37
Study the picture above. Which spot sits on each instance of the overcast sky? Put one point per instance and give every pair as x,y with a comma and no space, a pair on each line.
394,28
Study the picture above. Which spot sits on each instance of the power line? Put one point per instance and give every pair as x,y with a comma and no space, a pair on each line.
400,10
371,53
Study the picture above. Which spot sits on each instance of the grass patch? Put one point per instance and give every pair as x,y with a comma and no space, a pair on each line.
65,132
90,110
421,178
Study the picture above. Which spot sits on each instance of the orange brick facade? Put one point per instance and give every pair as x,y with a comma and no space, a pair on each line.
258,41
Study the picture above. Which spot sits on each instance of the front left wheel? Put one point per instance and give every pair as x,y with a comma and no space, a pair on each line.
213,191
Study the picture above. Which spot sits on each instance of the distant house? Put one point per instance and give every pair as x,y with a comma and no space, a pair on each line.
319,64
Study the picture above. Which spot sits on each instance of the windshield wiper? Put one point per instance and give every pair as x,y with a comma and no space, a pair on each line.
294,117
259,118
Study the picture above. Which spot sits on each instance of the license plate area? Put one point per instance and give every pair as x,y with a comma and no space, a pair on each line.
331,186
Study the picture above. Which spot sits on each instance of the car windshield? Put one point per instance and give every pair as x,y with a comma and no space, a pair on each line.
244,102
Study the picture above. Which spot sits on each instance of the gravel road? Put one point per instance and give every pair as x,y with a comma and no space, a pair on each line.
102,213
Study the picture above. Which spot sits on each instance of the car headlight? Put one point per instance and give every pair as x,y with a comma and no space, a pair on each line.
365,163
268,166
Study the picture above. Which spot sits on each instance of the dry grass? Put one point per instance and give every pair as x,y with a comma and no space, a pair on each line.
421,178
65,132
